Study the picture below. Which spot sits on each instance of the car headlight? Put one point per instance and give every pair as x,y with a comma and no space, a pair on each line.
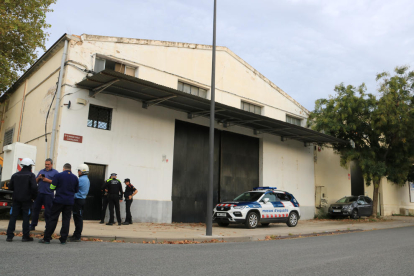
239,207
347,207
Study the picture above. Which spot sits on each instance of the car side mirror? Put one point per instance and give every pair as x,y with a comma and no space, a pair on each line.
266,200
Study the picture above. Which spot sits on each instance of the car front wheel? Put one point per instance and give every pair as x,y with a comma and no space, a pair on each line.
292,219
354,214
252,220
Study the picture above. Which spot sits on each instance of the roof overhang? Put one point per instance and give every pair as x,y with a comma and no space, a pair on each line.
149,93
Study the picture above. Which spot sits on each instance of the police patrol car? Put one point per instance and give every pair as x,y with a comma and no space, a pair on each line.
262,205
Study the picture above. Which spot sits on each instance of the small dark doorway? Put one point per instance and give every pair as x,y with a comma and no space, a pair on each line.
357,180
93,204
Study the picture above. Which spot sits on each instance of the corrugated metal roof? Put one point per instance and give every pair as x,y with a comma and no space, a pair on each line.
150,93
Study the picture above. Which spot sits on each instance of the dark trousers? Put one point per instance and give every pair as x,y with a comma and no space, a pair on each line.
17,207
128,211
78,217
53,220
42,199
114,202
104,205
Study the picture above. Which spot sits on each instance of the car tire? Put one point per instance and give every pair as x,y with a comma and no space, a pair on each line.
292,219
265,224
354,214
223,224
252,219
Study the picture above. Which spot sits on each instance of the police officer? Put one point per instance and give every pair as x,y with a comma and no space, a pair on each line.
66,185
105,198
80,198
24,187
130,191
114,189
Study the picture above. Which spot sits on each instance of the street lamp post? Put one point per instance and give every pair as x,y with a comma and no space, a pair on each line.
209,219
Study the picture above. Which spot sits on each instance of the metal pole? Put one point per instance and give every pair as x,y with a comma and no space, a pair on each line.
62,66
209,220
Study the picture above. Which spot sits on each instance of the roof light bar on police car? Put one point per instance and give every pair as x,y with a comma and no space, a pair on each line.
264,188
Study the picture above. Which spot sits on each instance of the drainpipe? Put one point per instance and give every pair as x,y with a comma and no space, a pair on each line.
59,88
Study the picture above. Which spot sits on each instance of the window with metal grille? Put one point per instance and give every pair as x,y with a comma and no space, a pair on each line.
191,89
251,108
293,120
99,117
8,137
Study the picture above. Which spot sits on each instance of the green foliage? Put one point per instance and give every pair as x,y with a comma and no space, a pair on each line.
381,128
22,24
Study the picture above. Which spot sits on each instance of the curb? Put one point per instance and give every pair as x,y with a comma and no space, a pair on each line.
214,239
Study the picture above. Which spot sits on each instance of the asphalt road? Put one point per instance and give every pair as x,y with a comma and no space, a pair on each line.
381,252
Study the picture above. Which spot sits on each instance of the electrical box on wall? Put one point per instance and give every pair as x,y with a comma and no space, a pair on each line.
81,101
321,198
13,155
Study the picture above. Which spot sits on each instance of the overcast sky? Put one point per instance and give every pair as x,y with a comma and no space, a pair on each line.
305,47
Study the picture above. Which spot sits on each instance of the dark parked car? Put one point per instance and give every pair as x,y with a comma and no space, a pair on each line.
352,206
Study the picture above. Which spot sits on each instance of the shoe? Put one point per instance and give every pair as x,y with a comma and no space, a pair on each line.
74,239
101,222
44,242
32,228
119,223
9,239
130,222
109,223
63,243
27,239
125,223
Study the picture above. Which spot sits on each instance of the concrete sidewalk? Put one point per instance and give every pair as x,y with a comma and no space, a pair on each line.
160,232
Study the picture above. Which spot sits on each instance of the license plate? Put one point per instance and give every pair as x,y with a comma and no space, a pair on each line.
221,214
336,211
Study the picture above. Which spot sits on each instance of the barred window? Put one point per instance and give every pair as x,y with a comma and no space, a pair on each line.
251,108
99,117
193,90
293,120
8,137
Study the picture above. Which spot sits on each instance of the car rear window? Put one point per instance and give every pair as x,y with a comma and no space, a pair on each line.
284,197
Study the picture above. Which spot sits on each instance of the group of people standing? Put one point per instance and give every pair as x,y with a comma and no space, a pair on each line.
60,193
112,195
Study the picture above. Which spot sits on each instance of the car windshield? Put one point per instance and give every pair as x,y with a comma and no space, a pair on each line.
347,199
249,196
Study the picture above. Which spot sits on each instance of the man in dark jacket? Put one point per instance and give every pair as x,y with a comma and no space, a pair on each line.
66,185
24,187
114,188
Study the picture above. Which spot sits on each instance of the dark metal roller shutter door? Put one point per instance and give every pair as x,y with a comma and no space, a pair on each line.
239,164
93,203
190,172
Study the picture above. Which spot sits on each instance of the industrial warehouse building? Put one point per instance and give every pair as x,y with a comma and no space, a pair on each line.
140,108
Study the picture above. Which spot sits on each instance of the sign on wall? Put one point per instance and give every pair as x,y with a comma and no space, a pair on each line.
72,138
411,192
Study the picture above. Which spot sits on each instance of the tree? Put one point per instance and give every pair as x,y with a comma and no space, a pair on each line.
380,128
22,25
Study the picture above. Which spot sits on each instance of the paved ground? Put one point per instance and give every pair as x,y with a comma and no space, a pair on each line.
139,232
382,252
